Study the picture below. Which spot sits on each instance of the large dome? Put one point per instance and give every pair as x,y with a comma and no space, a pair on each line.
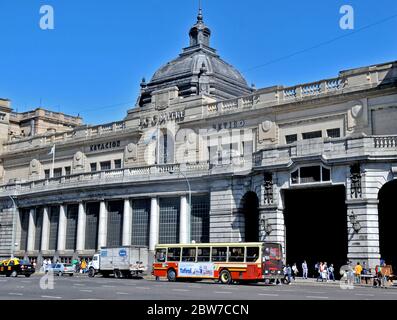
197,70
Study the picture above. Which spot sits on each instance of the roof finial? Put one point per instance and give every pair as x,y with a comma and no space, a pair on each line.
200,14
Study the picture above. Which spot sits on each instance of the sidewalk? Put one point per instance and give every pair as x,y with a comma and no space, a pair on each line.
313,281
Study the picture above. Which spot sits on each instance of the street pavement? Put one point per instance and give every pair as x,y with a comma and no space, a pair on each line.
80,287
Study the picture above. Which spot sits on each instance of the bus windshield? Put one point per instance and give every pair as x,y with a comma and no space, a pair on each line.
272,252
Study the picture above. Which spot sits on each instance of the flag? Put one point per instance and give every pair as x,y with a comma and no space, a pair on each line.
152,137
52,151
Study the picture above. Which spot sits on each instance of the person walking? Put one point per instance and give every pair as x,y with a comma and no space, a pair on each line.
320,270
357,272
295,271
331,272
324,275
289,274
304,270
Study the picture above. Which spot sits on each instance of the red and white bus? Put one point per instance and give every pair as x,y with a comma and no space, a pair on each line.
226,262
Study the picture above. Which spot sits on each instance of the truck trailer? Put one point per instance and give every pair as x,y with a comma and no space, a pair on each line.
121,262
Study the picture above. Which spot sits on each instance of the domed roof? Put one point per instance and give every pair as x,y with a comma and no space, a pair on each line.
197,70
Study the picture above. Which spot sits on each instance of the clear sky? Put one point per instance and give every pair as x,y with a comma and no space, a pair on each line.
93,61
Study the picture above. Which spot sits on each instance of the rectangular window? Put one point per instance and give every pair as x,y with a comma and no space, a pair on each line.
68,171
92,223
189,255
47,174
39,227
310,174
57,172
236,254
219,254
71,226
140,222
160,255
115,223
333,133
169,220
93,167
200,219
106,165
174,254
117,164
54,219
292,138
252,254
203,254
312,135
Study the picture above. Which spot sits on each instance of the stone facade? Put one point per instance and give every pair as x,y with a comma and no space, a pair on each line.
259,143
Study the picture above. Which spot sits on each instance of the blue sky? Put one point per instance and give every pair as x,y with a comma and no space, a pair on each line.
94,60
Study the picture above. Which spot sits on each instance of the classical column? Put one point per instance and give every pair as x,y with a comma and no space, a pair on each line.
184,221
45,233
31,230
154,224
103,223
62,228
81,226
127,222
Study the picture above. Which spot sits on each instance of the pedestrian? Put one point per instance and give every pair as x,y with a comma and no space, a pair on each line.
319,270
45,265
83,266
304,269
357,272
295,271
331,274
289,273
324,275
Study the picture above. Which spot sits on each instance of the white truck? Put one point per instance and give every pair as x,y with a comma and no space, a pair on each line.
122,262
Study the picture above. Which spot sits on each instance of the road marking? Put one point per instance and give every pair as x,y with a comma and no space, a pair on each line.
122,293
222,292
106,286
79,284
315,292
15,294
3,280
84,290
182,290
365,294
26,281
143,288
269,294
51,297
316,297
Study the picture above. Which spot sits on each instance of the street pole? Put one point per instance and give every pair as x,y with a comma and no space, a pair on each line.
14,216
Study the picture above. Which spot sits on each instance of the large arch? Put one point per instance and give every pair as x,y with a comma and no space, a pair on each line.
250,210
387,214
316,226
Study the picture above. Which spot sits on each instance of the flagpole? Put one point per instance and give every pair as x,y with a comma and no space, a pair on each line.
53,163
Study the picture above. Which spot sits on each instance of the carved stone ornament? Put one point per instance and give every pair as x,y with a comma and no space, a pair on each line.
34,167
78,160
357,111
266,126
131,152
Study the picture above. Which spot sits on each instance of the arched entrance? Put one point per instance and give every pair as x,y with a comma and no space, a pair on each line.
316,226
387,214
250,210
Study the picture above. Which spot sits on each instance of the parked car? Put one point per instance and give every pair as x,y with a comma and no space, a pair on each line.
61,269
15,267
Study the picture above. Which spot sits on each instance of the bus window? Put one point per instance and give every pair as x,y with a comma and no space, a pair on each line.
160,255
236,254
174,254
252,254
203,254
219,254
189,255
273,252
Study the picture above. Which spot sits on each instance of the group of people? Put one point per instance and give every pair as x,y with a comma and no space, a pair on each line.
325,273
322,270
80,265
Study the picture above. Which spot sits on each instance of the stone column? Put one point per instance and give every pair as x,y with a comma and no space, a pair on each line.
16,246
31,230
103,223
127,222
45,233
62,228
184,221
81,226
154,224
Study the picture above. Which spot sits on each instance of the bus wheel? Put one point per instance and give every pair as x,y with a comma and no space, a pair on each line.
225,277
171,275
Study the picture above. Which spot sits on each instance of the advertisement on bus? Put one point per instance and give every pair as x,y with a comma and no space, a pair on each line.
188,270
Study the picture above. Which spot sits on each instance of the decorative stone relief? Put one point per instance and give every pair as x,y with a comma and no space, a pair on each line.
78,161
34,168
130,153
161,99
357,116
267,131
1,171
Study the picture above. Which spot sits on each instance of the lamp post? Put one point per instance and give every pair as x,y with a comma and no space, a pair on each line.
190,195
14,215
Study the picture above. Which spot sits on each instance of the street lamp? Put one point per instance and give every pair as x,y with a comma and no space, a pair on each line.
190,194
14,215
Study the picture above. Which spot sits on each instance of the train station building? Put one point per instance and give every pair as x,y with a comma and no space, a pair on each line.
205,157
